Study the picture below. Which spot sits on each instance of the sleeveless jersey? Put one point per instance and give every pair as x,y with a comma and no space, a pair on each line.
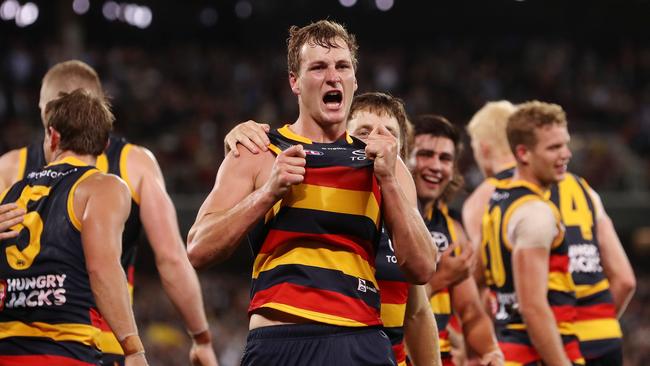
394,291
596,324
441,227
510,328
48,313
113,161
315,248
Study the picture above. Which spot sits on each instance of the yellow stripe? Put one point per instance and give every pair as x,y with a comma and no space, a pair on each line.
444,344
286,132
107,343
441,303
591,330
73,217
403,363
22,163
513,363
334,200
314,315
3,194
588,290
102,163
82,333
125,174
564,328
560,281
275,149
392,315
348,263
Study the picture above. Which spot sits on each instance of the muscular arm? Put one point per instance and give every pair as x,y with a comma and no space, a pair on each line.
616,265
420,329
102,203
158,218
236,203
414,248
473,210
9,165
530,263
478,329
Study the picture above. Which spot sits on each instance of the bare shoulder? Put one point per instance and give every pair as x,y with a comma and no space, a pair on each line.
9,166
105,185
253,167
479,197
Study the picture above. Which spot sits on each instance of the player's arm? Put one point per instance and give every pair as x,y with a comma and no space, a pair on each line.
412,241
420,329
235,204
478,329
10,215
473,210
9,166
102,203
616,265
178,277
532,230
250,134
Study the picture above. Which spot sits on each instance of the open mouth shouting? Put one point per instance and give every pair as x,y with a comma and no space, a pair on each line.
333,99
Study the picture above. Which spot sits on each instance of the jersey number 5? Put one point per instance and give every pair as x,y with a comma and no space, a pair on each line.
23,259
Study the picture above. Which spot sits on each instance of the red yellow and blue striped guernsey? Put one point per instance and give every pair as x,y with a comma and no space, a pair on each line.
596,324
315,249
48,314
510,328
441,227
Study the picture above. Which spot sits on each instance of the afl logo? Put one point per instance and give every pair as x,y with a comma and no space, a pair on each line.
440,240
313,152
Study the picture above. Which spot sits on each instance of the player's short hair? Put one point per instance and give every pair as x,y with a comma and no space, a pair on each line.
83,120
489,124
322,33
74,74
387,105
529,117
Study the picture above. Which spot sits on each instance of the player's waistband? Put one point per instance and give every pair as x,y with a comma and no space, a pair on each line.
306,330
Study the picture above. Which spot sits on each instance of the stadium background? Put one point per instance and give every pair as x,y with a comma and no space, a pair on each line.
181,74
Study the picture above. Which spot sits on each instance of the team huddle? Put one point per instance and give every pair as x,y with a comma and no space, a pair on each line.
358,259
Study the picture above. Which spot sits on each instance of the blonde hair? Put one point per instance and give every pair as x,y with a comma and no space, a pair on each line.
74,74
489,125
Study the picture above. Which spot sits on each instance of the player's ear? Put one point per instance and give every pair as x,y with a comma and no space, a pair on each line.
293,82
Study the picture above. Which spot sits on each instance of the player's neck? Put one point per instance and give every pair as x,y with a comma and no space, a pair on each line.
525,174
60,155
502,163
318,132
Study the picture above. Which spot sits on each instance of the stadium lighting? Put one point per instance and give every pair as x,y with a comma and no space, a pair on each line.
243,9
8,9
384,5
27,15
142,17
208,17
111,10
80,7
348,3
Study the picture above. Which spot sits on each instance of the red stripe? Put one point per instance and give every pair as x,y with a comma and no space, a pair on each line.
572,350
40,360
400,354
321,301
130,274
564,313
443,334
447,361
518,352
454,323
559,263
597,311
98,321
277,238
357,179
393,292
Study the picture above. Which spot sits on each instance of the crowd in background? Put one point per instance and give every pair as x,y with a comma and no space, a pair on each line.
180,100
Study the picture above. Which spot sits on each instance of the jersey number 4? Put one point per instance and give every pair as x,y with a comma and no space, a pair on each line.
23,259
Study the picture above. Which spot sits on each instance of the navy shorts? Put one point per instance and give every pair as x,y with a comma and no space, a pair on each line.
317,344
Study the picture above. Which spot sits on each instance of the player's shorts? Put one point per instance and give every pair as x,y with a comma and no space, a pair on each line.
316,345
